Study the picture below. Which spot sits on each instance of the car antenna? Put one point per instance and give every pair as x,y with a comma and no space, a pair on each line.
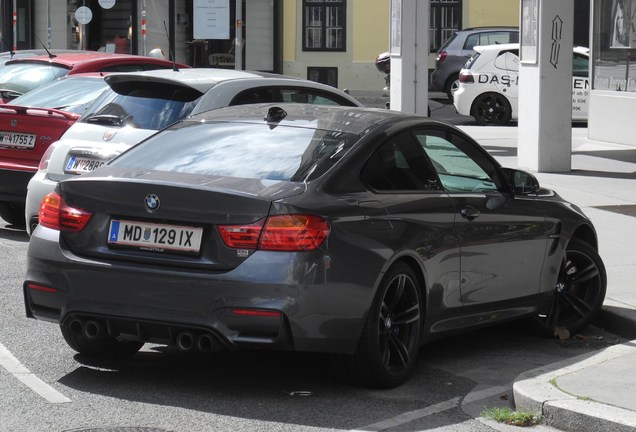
51,55
170,53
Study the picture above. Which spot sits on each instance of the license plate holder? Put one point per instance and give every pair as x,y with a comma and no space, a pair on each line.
155,237
82,165
17,140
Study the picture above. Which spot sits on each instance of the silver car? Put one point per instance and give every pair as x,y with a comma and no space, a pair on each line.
141,103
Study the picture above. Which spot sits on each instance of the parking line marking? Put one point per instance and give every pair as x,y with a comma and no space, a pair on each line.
17,369
410,416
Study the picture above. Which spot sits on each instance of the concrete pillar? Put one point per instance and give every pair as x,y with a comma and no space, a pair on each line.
545,85
409,55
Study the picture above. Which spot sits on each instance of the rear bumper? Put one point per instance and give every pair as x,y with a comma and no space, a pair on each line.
322,306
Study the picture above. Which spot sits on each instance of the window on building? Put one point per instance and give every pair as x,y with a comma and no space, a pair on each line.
445,20
325,75
324,25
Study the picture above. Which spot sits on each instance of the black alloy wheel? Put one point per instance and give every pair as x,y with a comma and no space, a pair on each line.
491,109
579,291
391,338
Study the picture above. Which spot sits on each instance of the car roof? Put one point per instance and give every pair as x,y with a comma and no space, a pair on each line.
70,60
511,46
203,79
354,120
486,28
496,47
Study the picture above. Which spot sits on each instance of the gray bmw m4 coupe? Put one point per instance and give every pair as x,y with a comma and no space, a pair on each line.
357,233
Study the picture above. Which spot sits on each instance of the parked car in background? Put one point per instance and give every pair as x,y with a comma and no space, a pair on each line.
5,56
452,56
358,233
21,75
32,122
489,85
139,104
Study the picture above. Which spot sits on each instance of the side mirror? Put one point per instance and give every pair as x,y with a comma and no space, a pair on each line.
521,182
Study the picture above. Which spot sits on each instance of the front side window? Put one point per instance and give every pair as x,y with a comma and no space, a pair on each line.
324,25
460,166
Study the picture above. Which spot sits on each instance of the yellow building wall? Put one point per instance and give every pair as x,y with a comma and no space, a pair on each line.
290,29
370,28
479,13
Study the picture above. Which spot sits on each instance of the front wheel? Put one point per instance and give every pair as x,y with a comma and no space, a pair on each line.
491,109
579,291
390,342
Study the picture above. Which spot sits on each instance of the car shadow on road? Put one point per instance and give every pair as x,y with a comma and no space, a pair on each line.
299,389
12,232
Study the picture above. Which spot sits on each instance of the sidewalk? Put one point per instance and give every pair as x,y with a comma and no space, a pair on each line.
595,392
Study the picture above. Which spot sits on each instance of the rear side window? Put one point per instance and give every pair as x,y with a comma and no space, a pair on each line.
288,94
490,38
400,164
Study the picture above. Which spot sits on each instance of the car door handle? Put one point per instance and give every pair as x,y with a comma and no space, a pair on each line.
469,213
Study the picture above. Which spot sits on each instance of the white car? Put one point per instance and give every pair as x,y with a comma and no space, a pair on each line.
138,104
489,85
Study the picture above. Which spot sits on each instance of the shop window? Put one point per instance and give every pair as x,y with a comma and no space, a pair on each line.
445,20
324,25
614,51
325,75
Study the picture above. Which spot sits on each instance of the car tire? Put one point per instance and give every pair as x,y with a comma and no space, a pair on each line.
452,85
491,109
100,347
13,213
578,294
390,341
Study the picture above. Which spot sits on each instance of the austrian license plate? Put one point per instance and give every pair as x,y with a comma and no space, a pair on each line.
81,165
155,237
13,139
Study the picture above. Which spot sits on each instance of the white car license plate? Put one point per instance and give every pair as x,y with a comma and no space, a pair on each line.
12,139
80,165
155,237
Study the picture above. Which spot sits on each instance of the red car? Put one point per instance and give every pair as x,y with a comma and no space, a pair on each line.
32,122
22,75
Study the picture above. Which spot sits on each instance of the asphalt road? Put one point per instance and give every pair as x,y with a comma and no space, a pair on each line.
45,386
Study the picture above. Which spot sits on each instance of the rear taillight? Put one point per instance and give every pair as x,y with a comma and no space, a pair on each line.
44,160
55,214
242,236
466,77
441,56
296,232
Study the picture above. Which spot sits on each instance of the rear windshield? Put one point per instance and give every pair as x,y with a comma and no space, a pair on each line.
23,77
69,94
143,107
253,151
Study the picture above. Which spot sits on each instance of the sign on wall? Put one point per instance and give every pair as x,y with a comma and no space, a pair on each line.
211,19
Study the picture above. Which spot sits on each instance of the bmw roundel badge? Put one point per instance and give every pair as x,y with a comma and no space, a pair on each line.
152,202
